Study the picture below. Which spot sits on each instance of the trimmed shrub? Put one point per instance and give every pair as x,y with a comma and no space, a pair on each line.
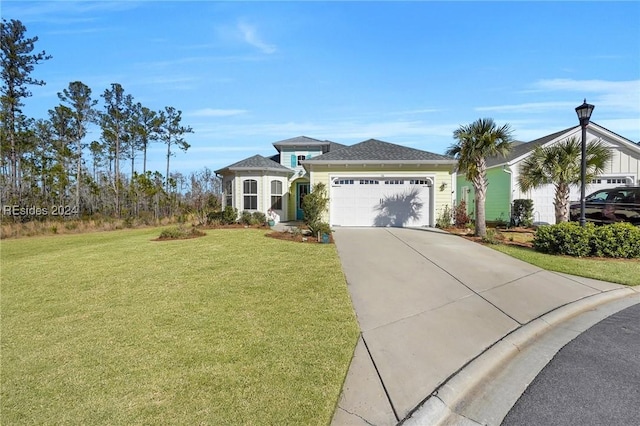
564,238
322,228
228,216
179,232
245,218
522,214
258,218
172,233
621,240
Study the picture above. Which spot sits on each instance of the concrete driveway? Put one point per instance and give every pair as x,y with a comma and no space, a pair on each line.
428,303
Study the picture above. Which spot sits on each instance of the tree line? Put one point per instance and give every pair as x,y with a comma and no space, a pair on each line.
50,161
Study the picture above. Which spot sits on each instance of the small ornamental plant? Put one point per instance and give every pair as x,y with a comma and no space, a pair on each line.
180,232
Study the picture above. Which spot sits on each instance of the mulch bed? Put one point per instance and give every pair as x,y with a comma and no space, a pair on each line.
296,237
502,237
189,237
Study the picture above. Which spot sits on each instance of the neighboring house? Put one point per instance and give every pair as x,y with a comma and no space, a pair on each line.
372,183
502,175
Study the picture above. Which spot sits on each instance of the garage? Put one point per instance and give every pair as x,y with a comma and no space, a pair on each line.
544,198
381,201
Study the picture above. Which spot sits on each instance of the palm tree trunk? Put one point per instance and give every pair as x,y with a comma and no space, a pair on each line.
561,203
481,220
480,186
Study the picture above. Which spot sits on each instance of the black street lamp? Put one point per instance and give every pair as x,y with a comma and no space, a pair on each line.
584,115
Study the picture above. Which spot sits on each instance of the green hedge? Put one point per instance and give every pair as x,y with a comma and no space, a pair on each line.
227,216
621,240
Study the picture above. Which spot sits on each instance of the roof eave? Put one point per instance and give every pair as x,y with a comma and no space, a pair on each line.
278,145
374,162
259,169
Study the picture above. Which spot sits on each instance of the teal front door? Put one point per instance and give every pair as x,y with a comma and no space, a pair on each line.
302,189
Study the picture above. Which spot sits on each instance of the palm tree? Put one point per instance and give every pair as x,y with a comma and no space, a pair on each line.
559,164
475,142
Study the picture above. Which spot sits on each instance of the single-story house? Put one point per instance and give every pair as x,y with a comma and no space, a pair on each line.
502,175
372,183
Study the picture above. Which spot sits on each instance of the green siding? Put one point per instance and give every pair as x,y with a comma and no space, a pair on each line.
498,204
462,182
498,195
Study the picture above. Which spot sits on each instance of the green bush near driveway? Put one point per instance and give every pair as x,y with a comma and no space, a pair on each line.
229,328
620,240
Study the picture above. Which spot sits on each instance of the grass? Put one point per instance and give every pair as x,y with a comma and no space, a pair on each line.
11,229
612,270
230,328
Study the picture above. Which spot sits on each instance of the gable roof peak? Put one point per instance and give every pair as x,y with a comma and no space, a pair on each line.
256,162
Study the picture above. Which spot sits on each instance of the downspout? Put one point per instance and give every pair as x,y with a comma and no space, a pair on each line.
454,189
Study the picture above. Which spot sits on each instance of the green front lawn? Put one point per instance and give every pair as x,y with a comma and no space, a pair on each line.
230,328
612,270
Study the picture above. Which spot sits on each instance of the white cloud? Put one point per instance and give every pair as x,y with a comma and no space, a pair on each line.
565,84
213,112
61,13
531,107
416,111
614,95
250,35
619,99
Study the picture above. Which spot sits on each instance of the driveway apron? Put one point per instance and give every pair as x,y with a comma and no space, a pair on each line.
428,303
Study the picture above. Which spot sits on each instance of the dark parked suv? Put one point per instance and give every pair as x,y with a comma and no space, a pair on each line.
611,205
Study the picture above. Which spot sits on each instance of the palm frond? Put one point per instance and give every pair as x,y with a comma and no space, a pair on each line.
560,163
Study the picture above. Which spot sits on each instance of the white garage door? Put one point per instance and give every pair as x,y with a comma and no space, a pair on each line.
375,201
543,198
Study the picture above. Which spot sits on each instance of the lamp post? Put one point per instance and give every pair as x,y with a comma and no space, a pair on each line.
584,115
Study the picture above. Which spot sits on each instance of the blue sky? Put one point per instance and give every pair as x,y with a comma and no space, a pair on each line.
247,74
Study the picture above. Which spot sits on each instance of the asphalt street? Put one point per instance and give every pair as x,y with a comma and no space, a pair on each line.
593,380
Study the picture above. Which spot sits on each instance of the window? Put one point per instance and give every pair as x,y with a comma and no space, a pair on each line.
250,192
616,181
301,158
394,182
419,182
368,182
276,195
228,194
596,181
344,182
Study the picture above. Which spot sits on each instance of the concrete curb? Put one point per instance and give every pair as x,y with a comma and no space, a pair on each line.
468,397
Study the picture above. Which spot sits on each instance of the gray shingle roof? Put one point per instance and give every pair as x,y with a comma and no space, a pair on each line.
257,162
373,150
335,145
520,149
305,141
299,140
